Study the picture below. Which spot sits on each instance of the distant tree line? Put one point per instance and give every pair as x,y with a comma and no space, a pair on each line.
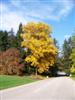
13,54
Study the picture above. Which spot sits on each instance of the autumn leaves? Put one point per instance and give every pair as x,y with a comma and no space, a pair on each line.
37,39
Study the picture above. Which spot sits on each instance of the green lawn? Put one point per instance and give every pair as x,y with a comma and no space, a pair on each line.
12,81
73,77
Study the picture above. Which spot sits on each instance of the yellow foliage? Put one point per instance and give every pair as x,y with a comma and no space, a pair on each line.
37,39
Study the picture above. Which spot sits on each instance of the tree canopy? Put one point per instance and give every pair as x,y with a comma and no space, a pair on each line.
37,39
72,56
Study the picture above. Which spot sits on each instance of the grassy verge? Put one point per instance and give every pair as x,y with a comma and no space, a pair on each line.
73,77
12,81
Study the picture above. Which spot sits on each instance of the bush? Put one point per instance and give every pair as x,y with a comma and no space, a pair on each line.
10,62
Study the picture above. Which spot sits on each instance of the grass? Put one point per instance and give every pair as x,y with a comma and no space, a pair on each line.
12,81
73,77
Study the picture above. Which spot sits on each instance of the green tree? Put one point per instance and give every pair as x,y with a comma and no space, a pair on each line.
58,65
12,39
67,49
18,36
72,56
73,41
3,40
19,40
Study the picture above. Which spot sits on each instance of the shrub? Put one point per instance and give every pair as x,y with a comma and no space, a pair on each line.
10,62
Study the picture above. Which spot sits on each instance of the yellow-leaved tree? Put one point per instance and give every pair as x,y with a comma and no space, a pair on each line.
37,39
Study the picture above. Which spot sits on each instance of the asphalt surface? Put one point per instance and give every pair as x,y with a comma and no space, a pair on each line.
61,88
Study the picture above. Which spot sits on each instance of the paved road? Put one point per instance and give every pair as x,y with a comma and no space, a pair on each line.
61,88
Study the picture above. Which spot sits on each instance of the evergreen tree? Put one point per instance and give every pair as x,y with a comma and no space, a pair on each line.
3,40
67,49
19,40
58,65
72,56
12,39
18,36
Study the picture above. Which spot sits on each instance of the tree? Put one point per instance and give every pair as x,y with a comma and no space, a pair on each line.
18,36
19,40
3,40
67,49
37,39
58,65
72,56
56,44
73,41
10,62
13,42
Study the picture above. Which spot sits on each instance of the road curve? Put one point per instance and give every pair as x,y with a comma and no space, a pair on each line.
61,88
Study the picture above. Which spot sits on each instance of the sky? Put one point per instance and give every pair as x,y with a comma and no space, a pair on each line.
60,14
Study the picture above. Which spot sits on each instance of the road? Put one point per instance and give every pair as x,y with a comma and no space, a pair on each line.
61,88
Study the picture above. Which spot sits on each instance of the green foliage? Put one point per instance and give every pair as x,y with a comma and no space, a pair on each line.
39,52
72,56
12,39
72,70
56,44
67,49
73,41
58,65
3,40
19,40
